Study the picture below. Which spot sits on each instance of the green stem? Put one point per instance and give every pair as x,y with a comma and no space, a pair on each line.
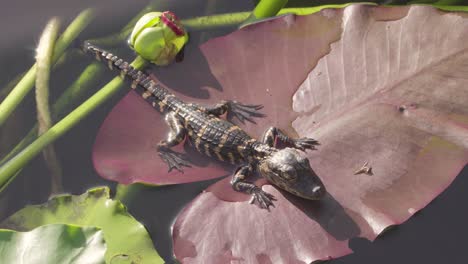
118,38
191,24
235,19
77,90
8,170
10,85
69,98
268,8
27,82
210,8
215,21
265,9
452,8
67,56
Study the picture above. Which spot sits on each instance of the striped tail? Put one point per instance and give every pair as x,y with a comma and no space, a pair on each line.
150,90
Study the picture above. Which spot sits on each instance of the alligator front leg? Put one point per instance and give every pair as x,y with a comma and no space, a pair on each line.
176,135
273,134
235,109
263,199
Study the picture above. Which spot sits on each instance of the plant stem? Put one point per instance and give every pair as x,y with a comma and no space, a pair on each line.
451,8
118,38
27,82
9,169
235,19
192,24
44,51
210,8
10,85
265,9
44,54
268,8
68,55
215,21
70,97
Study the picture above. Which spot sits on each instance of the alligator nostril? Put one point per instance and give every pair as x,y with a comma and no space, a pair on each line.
318,192
316,189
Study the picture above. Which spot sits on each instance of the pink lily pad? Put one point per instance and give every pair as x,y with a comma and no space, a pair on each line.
125,145
125,148
391,91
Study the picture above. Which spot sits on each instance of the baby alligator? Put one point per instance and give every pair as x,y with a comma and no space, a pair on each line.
220,139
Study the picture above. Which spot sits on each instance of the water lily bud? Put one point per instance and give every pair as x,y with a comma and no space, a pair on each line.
158,37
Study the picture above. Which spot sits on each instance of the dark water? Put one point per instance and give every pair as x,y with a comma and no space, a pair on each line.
435,235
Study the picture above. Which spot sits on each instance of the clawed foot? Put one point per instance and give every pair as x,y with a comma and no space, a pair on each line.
244,111
174,160
305,143
263,199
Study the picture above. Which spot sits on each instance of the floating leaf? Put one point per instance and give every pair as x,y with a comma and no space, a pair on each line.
129,155
389,91
127,240
125,145
53,244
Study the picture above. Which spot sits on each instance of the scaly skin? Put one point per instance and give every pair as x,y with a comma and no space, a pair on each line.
223,140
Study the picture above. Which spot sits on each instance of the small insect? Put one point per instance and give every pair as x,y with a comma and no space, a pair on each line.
213,136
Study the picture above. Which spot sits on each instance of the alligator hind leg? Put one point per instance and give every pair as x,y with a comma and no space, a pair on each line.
176,135
272,134
263,199
235,109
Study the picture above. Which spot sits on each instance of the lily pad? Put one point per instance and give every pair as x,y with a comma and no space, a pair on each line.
388,90
59,244
125,145
129,155
127,240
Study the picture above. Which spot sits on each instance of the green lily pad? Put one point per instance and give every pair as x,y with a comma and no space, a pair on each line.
127,240
57,244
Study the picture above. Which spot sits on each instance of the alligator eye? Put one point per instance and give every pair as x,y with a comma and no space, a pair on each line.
290,175
304,163
303,159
